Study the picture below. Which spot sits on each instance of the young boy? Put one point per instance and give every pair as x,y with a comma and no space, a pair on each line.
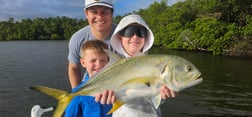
93,58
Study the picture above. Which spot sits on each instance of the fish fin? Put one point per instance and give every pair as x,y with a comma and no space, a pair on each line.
61,95
56,93
156,100
116,105
62,104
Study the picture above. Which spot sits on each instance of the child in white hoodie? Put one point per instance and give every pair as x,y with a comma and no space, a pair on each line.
133,37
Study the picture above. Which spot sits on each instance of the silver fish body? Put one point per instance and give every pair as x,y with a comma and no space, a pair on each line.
173,71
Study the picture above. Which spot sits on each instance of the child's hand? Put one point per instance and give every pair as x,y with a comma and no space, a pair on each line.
166,92
106,97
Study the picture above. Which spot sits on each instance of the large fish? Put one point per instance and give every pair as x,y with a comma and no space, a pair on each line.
136,77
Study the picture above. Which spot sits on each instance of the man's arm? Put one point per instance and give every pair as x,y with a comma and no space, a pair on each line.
74,74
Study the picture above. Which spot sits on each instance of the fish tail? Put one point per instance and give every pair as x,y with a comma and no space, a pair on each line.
116,105
61,95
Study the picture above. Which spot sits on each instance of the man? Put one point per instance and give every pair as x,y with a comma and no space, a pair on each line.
99,15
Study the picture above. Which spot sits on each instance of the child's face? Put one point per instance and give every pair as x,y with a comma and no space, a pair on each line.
94,62
133,44
132,38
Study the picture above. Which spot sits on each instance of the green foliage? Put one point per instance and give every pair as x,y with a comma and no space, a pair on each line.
55,36
59,28
247,30
208,25
242,47
207,31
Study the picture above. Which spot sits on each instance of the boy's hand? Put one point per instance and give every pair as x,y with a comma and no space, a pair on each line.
106,97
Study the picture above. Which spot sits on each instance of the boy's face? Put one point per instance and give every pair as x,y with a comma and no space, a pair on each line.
94,62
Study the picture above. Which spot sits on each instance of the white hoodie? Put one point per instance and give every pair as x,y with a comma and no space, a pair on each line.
139,107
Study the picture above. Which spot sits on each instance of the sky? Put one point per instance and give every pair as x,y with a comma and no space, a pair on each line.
22,9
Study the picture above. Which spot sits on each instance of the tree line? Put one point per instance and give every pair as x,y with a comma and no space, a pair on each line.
223,27
59,28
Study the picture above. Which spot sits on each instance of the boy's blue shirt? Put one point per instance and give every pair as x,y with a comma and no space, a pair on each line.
86,78
85,106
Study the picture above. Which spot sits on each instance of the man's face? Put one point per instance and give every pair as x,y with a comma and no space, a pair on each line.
99,18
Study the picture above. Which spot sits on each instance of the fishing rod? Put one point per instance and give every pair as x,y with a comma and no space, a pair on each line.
37,111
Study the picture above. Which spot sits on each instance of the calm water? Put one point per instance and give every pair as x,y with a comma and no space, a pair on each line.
226,89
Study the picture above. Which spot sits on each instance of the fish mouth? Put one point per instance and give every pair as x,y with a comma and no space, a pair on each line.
197,76
196,79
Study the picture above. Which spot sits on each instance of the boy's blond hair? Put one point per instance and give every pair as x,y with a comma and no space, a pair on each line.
96,45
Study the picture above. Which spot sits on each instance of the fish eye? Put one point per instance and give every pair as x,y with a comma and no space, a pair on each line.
188,68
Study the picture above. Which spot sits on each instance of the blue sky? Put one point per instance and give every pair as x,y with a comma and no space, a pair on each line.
21,9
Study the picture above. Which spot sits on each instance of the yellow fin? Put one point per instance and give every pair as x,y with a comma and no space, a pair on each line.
116,105
62,104
56,93
63,97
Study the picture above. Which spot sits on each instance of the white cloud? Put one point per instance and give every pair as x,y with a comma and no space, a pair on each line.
20,9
